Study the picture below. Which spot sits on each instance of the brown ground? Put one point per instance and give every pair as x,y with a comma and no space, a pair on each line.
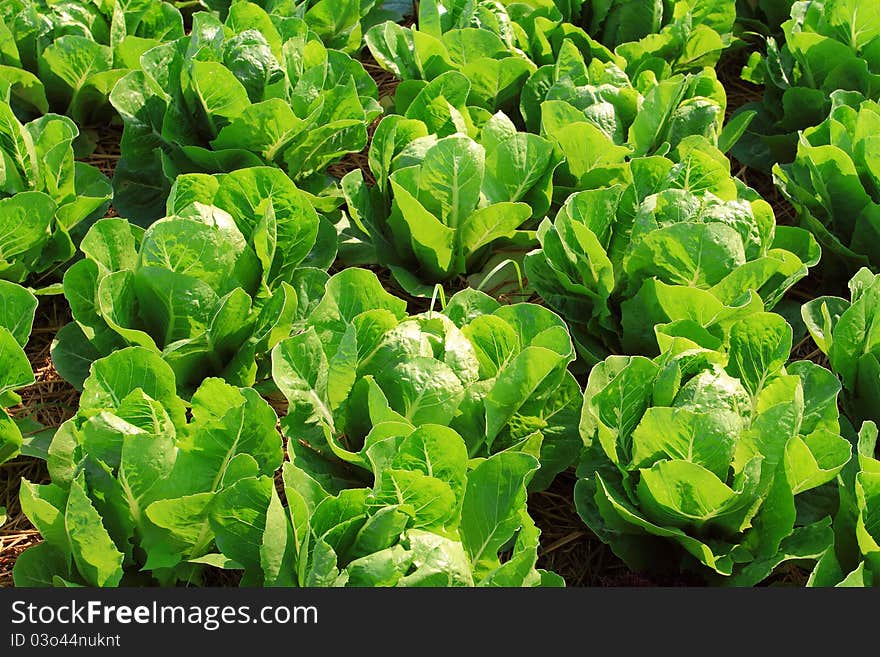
106,154
567,546
50,401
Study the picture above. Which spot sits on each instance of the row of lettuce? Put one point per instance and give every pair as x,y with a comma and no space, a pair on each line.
816,124
274,84
254,86
412,441
261,88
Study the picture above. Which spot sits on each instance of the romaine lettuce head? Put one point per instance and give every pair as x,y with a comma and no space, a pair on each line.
763,17
247,92
500,45
339,23
844,331
135,479
477,39
66,56
495,374
665,37
676,242
47,200
834,182
708,459
239,262
16,320
599,120
589,83
518,56
149,490
855,557
828,46
446,203
430,518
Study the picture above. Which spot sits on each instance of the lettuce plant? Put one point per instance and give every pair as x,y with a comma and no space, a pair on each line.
66,56
679,244
247,92
46,198
582,106
476,39
429,519
445,204
669,37
829,45
844,331
834,181
497,375
339,23
593,83
212,287
16,319
135,480
702,458
863,506
855,557
498,45
762,17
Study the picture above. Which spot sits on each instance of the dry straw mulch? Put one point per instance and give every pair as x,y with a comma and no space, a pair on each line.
50,401
106,153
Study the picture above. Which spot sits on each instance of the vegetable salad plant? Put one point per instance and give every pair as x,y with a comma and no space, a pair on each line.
762,17
711,459
496,375
429,519
46,198
843,331
499,45
476,39
145,493
237,264
445,203
598,118
830,45
339,23
593,83
248,92
135,481
854,559
676,244
66,56
834,181
17,307
665,37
